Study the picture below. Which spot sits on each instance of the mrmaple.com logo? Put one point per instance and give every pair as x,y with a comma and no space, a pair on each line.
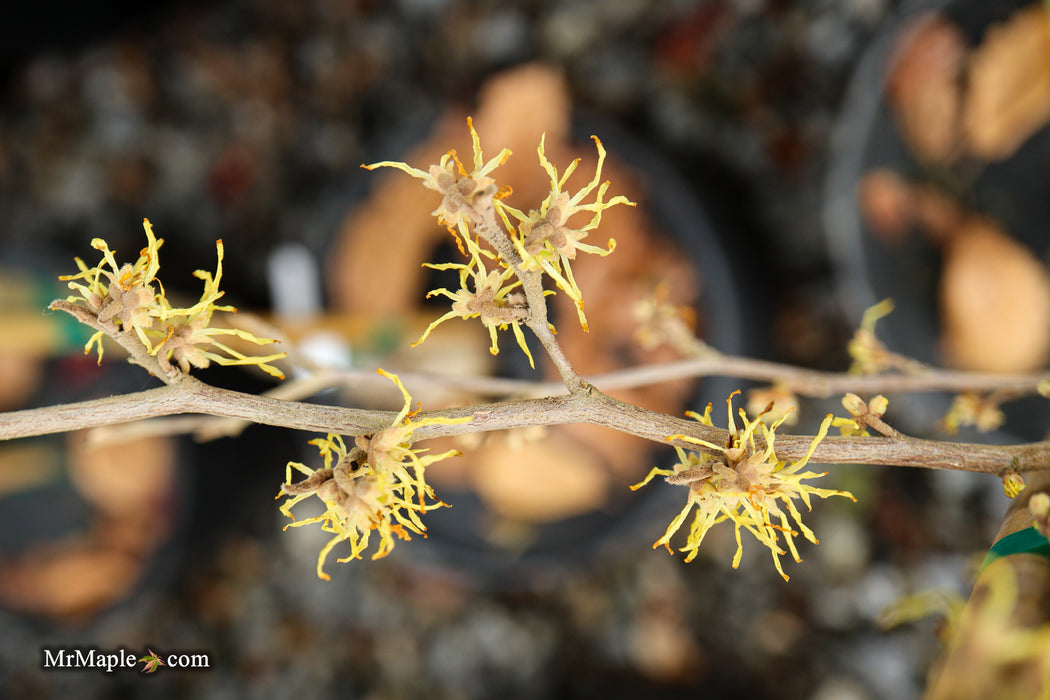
82,658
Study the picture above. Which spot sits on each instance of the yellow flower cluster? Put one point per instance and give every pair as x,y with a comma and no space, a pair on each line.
378,485
131,297
463,194
743,483
543,238
493,300
123,294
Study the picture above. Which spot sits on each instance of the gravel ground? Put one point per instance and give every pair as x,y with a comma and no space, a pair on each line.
238,119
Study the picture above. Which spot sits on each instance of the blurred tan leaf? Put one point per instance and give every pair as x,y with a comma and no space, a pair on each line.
995,299
541,481
1009,85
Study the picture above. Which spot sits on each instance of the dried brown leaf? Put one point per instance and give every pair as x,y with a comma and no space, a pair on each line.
1009,85
995,300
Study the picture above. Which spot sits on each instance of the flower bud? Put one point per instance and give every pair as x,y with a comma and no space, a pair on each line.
1013,483
854,404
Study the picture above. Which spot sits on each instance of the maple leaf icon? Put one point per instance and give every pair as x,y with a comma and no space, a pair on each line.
152,662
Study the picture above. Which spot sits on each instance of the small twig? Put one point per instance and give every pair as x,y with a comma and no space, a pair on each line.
805,382
815,384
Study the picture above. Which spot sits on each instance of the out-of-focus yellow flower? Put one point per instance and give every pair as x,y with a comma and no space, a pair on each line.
378,485
546,241
745,485
461,192
489,295
971,408
662,323
992,652
1039,507
990,649
125,295
869,355
921,604
774,403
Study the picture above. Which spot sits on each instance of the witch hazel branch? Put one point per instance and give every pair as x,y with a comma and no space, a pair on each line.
371,473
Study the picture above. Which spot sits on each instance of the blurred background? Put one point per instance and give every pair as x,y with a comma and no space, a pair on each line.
745,129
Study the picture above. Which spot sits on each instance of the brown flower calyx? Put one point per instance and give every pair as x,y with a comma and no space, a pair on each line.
696,474
128,306
551,227
512,307
462,194
327,483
